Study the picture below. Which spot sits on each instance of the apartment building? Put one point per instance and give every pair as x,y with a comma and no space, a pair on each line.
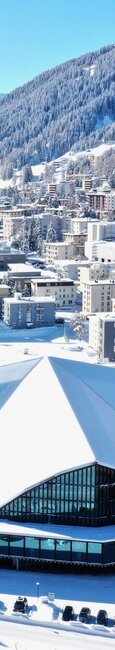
97,296
102,201
87,183
59,251
101,251
22,313
79,225
102,335
98,230
94,271
78,242
62,290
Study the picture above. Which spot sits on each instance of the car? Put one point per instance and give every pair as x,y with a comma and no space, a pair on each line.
102,617
84,615
20,605
68,613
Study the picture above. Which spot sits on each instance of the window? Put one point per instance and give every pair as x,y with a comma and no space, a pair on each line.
94,547
47,544
62,545
79,547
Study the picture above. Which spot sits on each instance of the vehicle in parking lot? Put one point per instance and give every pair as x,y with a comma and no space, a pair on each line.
84,615
102,617
20,605
68,613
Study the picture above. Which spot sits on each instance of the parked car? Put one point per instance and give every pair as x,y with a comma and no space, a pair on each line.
84,615
20,605
68,613
102,617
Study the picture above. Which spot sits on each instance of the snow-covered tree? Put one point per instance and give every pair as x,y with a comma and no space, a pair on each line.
51,233
78,324
17,287
25,291
27,174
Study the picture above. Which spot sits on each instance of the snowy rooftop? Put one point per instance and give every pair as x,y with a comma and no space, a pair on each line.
45,404
101,534
22,268
18,298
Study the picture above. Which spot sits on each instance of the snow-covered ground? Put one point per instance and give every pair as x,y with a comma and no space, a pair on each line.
39,170
77,590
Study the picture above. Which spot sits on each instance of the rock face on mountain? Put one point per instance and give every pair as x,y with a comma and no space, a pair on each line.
70,105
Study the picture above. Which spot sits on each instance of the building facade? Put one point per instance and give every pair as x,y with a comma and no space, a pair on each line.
97,296
23,313
62,290
58,503
102,335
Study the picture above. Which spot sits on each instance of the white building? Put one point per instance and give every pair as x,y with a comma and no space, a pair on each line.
102,335
89,271
62,290
58,251
102,251
97,296
79,226
67,269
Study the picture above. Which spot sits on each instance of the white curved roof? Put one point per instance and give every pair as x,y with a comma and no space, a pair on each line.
60,415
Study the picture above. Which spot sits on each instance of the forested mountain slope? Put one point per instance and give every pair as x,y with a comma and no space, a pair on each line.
69,105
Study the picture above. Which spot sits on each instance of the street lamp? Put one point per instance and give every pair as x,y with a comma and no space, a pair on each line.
37,589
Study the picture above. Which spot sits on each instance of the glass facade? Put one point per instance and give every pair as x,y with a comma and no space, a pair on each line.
50,549
82,497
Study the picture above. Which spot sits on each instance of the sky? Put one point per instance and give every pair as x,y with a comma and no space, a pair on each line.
38,34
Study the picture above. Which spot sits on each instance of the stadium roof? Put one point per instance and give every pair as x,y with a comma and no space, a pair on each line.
56,414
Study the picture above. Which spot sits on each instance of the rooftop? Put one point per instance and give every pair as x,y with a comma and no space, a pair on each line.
49,405
101,534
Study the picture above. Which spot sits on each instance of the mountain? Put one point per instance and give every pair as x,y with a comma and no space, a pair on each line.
72,105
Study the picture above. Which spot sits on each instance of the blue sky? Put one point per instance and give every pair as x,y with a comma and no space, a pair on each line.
38,34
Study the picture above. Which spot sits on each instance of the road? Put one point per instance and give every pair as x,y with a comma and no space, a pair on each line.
27,637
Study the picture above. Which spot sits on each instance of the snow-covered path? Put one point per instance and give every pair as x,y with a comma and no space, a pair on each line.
16,636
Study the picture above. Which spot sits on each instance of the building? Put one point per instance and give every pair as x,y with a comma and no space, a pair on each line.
4,293
87,183
23,274
10,256
98,230
52,189
58,502
101,200
79,225
97,296
101,251
58,251
78,242
67,269
62,290
88,271
102,335
22,313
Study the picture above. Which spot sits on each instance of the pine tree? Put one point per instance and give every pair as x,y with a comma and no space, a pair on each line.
25,291
33,236
51,233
